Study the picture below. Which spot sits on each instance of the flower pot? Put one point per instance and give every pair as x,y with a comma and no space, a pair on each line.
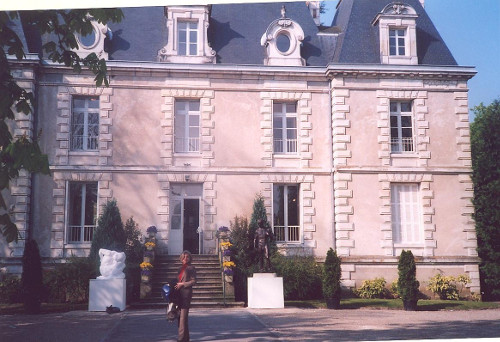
228,278
151,234
410,304
333,303
149,248
145,278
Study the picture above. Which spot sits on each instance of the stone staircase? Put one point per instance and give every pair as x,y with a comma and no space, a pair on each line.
208,291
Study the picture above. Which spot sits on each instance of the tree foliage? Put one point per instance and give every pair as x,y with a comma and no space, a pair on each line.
109,234
407,278
485,147
32,278
332,273
60,26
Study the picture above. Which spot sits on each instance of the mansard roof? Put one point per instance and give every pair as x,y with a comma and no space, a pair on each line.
359,40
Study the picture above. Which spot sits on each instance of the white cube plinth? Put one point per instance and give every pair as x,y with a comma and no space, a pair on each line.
106,292
265,291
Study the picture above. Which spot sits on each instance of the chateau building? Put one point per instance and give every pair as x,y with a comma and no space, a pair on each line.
356,135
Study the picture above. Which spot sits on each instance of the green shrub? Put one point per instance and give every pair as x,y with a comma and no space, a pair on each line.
407,280
394,289
372,289
331,275
134,253
446,286
31,278
69,282
241,254
10,290
301,276
109,233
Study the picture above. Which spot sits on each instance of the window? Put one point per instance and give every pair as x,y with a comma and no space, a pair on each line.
82,214
85,124
397,39
188,38
401,127
187,126
285,127
286,213
405,214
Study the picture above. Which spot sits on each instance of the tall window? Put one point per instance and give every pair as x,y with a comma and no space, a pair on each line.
405,214
85,123
401,127
187,126
187,38
286,212
285,127
82,214
397,39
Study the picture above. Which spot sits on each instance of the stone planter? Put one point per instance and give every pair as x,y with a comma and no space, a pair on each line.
228,278
333,303
145,278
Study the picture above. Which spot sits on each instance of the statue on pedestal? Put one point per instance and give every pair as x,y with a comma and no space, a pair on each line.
112,264
263,236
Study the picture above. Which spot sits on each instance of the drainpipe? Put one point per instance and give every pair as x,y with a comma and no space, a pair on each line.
331,166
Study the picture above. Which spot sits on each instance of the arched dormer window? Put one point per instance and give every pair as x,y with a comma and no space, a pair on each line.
282,41
94,41
398,37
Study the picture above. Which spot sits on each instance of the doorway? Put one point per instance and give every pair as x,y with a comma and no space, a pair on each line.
185,226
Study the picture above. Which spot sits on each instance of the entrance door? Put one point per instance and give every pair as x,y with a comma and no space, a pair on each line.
184,218
191,225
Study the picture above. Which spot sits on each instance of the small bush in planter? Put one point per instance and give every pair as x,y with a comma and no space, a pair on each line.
407,281
331,280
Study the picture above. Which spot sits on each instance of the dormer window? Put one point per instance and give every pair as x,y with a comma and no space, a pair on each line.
187,40
93,42
398,37
282,41
397,43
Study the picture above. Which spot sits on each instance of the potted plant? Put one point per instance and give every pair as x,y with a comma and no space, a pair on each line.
228,271
407,281
331,280
146,271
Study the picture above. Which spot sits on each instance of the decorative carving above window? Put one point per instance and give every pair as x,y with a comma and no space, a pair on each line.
187,35
282,41
398,38
94,41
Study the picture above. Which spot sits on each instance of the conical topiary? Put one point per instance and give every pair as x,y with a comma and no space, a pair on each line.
31,278
109,233
332,290
407,281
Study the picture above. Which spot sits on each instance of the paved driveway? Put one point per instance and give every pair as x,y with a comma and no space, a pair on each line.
242,324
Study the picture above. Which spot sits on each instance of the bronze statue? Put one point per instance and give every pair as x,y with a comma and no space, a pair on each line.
263,237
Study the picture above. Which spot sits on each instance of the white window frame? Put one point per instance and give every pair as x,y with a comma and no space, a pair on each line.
189,29
290,234
397,38
406,215
83,232
88,143
285,145
402,144
184,141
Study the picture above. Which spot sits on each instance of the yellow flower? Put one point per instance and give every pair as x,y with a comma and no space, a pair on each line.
225,245
150,244
228,264
146,265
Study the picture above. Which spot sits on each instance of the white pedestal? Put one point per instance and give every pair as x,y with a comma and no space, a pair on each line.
106,292
265,291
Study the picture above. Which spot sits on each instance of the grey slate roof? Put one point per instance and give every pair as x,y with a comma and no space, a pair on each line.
359,41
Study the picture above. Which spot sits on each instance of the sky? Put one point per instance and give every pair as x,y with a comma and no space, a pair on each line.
470,28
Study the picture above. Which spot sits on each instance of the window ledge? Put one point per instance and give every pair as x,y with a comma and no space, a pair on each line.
408,245
78,245
84,153
188,154
404,155
285,156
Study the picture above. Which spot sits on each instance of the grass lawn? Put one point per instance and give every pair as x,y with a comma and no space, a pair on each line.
397,304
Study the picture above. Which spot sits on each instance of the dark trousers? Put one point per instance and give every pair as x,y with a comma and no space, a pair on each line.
183,326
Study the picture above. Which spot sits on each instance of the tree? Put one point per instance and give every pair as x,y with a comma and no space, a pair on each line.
407,280
61,25
31,278
332,273
485,147
109,233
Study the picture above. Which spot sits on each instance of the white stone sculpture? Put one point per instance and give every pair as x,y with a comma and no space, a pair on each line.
112,264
